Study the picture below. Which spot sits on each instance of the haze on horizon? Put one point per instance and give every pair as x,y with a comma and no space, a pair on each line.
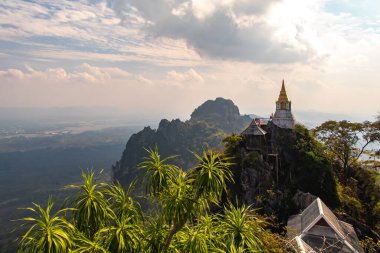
166,57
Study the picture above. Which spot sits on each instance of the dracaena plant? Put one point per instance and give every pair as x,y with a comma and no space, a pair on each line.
48,232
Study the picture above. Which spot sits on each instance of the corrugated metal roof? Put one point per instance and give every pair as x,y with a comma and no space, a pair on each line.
309,215
342,235
254,129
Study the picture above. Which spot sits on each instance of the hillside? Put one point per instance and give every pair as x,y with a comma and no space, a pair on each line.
209,124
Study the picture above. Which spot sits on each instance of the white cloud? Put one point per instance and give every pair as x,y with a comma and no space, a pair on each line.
105,73
12,73
85,72
182,9
73,15
227,29
239,49
182,77
141,78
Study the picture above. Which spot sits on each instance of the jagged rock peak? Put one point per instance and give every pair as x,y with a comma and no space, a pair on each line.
222,113
220,106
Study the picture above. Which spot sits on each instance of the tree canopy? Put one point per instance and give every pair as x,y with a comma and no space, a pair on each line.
347,141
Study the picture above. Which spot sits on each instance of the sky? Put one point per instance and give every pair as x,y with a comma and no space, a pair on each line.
165,57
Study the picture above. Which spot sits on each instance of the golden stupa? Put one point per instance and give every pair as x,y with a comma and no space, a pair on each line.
283,97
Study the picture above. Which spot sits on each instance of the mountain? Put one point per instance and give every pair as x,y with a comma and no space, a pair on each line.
209,124
221,113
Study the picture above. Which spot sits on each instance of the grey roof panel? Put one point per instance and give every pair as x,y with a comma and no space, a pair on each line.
350,236
310,214
294,226
254,129
330,216
342,238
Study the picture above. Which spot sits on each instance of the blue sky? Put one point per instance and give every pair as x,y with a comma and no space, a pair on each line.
168,56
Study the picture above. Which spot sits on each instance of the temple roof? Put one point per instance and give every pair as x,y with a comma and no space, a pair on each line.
310,231
283,97
254,129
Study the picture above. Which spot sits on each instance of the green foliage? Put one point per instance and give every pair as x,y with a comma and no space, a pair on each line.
155,231
91,210
368,191
121,202
48,232
123,235
369,245
343,138
315,175
178,201
233,144
241,229
83,244
105,217
193,239
311,169
210,175
159,173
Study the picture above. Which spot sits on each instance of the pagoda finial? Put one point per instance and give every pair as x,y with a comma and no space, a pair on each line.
283,97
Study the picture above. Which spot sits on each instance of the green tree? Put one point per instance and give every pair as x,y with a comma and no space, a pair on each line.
184,195
347,141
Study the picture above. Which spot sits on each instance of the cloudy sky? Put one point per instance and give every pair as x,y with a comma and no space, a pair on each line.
166,57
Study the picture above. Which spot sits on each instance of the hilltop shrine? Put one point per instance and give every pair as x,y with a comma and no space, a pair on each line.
259,135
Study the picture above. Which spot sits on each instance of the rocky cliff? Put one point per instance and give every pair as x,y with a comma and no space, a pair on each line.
207,127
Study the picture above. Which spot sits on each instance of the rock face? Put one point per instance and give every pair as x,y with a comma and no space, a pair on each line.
302,199
221,113
209,124
275,183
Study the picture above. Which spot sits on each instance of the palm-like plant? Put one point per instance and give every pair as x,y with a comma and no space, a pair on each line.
178,203
48,233
210,175
158,173
232,249
192,192
192,239
91,207
106,219
122,203
200,236
124,235
83,244
241,228
155,232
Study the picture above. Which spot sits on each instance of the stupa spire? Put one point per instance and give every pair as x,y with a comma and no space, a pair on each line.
283,97
283,116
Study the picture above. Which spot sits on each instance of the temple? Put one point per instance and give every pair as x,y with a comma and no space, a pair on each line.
316,229
260,134
283,116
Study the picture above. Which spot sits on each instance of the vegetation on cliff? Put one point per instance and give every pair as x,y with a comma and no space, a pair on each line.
356,165
301,167
209,124
105,218
311,162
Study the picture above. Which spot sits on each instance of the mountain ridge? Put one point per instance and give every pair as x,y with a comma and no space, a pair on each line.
209,124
